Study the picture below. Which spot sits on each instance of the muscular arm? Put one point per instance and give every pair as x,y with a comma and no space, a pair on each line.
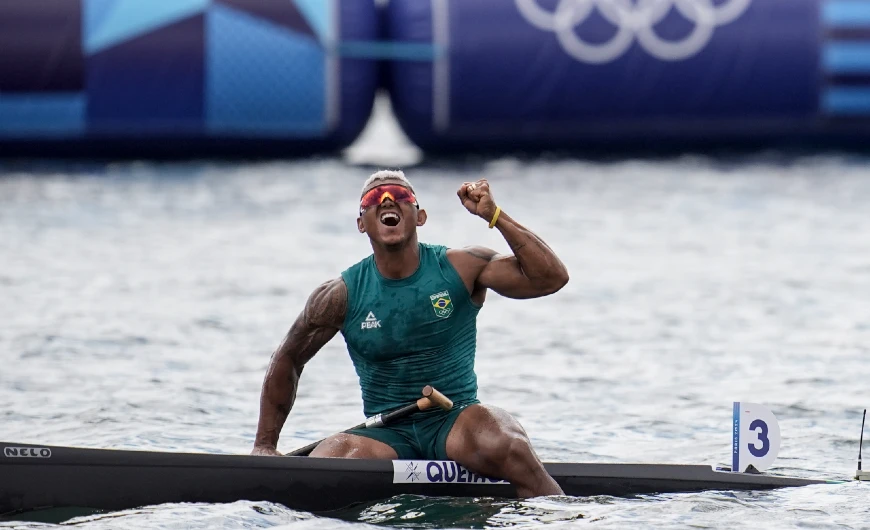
534,270
318,322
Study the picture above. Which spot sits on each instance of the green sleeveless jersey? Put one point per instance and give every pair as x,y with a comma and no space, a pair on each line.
405,334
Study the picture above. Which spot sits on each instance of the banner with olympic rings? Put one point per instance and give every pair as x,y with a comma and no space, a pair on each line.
545,74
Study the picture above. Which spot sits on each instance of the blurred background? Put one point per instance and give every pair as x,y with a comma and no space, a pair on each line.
178,175
259,78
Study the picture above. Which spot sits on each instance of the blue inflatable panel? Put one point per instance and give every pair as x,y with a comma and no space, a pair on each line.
168,78
516,74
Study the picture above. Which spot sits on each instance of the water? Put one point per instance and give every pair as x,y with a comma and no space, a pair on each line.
141,303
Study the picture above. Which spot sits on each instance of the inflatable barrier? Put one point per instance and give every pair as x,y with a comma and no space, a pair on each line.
182,77
186,78
510,74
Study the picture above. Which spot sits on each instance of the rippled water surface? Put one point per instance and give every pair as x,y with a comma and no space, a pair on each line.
141,303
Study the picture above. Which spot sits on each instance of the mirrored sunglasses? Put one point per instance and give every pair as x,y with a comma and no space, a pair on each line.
394,192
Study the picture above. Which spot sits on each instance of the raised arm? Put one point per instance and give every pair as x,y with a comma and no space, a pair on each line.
318,322
532,271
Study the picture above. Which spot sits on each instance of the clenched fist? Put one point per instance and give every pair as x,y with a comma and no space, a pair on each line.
477,199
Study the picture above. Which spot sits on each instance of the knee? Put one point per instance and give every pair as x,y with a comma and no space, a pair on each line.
512,450
338,446
520,452
350,446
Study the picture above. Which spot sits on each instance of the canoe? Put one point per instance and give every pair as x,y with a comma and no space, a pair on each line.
35,477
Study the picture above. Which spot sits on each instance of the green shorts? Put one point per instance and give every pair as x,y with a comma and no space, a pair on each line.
421,436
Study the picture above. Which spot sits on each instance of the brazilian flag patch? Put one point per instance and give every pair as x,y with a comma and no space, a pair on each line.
442,304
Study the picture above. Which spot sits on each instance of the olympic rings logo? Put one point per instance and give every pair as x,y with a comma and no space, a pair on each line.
633,20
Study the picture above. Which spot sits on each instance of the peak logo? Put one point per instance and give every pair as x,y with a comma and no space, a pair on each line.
370,322
27,452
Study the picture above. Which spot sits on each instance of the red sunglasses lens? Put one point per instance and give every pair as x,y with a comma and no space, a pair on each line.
377,195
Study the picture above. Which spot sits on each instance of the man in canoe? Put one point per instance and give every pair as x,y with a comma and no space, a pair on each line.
408,314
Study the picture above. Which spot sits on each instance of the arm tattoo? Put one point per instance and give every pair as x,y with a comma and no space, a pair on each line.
516,246
321,319
327,305
538,270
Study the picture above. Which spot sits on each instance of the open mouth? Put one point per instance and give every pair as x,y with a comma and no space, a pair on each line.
390,218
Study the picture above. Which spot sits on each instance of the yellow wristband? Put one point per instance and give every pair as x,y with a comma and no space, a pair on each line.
495,217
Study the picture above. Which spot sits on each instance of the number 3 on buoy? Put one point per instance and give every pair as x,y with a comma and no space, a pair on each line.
755,437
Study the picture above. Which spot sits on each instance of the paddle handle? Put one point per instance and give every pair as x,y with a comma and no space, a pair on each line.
432,397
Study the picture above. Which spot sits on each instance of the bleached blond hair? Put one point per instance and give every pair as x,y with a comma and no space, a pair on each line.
383,176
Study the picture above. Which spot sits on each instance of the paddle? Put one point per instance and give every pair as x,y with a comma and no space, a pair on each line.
431,397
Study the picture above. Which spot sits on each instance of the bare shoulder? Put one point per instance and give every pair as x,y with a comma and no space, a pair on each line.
474,254
327,305
470,262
